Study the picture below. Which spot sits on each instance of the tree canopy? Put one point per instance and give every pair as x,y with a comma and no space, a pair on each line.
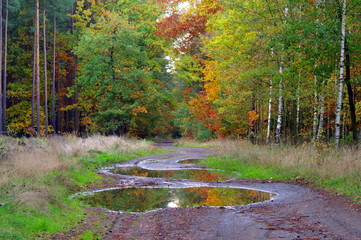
263,70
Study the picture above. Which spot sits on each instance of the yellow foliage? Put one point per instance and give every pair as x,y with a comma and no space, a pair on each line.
139,110
252,116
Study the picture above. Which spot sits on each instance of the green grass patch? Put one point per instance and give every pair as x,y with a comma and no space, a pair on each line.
246,169
101,159
89,235
347,186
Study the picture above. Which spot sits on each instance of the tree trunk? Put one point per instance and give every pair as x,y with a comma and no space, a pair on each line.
341,77
315,111
53,115
76,110
1,57
350,92
280,107
269,113
37,67
5,65
298,109
45,77
321,120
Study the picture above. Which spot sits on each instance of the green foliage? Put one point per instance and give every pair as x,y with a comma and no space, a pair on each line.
118,89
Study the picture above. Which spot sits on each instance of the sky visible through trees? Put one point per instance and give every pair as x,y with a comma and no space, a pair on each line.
272,71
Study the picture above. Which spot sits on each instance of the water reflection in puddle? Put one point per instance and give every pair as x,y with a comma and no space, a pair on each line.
190,161
146,199
190,174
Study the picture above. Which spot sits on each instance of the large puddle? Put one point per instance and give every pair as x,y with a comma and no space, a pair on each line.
146,199
189,174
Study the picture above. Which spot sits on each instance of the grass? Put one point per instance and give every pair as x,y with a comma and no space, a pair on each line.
38,175
186,142
338,171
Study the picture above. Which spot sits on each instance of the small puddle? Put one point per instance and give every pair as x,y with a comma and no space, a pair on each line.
146,199
189,174
190,161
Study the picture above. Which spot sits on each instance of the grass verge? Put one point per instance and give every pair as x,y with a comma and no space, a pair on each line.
338,171
38,175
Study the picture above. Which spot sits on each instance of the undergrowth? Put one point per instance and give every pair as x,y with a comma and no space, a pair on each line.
338,171
38,176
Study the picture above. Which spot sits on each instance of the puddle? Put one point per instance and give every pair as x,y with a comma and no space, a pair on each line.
146,199
189,174
190,161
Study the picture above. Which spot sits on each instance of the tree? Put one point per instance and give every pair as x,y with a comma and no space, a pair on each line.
341,77
45,76
5,67
37,66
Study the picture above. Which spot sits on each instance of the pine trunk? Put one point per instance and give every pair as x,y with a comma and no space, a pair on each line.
1,57
341,76
37,67
45,77
53,115
5,66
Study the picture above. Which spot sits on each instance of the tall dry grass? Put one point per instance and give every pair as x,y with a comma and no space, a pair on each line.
306,159
35,157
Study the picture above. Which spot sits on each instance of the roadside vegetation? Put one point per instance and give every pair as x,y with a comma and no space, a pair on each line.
38,175
338,171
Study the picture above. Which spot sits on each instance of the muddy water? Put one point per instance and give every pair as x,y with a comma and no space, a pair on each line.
168,181
190,161
146,199
190,174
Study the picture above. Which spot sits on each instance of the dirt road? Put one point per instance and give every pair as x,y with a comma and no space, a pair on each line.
296,212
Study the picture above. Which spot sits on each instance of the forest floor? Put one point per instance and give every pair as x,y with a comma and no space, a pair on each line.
298,211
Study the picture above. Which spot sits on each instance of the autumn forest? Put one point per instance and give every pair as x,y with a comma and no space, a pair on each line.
271,71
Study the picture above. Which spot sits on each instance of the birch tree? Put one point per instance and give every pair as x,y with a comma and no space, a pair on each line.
269,112
280,106
341,76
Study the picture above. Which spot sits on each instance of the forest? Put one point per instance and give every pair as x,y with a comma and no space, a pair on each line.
270,71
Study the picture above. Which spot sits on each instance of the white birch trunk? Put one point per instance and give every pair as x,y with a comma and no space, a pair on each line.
269,112
321,120
298,115
341,78
315,112
280,107
298,107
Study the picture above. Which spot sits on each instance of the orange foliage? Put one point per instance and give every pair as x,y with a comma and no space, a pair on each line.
138,110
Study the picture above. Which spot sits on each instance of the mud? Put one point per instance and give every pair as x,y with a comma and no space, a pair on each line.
295,211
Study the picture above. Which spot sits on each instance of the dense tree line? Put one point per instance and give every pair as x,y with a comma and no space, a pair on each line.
83,67
268,70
